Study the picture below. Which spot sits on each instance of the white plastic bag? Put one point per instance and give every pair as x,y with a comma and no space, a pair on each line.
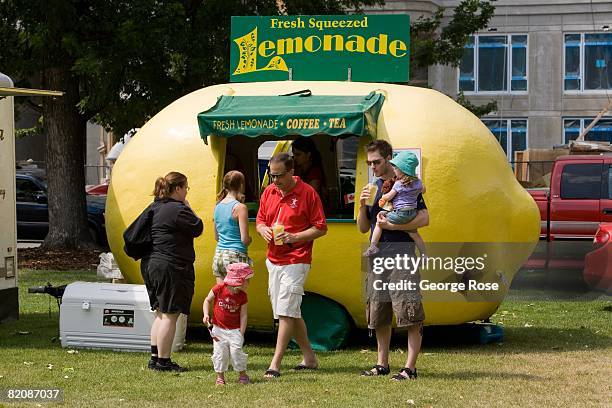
108,268
181,331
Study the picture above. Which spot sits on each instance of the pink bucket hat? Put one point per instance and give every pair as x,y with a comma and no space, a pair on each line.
237,273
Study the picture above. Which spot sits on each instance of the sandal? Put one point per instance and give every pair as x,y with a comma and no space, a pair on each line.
270,373
405,374
304,367
376,370
220,381
244,379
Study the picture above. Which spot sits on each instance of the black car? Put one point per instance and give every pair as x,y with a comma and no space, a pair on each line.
33,212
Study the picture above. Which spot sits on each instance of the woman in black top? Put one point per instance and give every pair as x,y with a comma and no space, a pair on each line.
168,270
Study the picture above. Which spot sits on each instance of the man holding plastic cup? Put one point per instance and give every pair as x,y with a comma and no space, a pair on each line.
290,218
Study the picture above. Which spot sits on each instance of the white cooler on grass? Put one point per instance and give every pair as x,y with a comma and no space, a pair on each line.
110,316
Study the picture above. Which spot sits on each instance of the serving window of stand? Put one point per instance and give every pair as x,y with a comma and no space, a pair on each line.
248,130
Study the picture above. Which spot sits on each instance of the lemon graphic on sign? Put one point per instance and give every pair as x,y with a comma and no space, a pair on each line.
247,44
275,64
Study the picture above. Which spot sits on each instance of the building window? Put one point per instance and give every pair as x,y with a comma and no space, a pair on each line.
601,132
485,62
586,62
510,133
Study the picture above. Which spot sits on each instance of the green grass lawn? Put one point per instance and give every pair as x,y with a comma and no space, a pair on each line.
555,353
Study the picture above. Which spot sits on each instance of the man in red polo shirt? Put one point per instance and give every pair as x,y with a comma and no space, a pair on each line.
296,206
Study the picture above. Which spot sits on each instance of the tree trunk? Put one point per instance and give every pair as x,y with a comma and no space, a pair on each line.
66,129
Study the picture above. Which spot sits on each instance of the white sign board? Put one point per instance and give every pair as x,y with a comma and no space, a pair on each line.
8,237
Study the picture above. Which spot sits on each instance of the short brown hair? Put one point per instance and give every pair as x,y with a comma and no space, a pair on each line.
381,146
165,186
284,158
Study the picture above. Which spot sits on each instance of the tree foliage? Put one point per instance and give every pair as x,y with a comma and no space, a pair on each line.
430,45
478,110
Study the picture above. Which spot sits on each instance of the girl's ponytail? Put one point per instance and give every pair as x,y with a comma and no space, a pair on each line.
165,186
221,195
161,188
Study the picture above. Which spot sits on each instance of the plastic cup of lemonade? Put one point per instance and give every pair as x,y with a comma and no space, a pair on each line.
276,230
373,190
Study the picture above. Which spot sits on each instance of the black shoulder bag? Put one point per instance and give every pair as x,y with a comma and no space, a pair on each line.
137,237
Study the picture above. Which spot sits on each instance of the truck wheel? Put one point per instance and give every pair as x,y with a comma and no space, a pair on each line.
327,321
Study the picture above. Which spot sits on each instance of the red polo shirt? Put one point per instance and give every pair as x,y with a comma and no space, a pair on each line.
300,209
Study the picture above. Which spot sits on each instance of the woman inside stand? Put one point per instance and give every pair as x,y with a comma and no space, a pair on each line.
308,165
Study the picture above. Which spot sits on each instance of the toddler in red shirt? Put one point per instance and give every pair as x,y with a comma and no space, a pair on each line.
229,321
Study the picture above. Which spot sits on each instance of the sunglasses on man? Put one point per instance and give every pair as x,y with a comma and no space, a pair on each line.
374,162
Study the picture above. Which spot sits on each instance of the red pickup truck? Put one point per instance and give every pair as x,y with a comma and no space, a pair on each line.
579,198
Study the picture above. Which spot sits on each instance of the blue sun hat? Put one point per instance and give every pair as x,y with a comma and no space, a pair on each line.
407,162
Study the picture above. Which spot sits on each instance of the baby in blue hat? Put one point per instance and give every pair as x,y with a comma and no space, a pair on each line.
401,200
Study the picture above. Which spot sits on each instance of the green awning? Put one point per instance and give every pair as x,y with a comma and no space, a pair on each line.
302,115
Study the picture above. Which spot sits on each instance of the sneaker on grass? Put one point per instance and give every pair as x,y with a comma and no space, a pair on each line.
170,366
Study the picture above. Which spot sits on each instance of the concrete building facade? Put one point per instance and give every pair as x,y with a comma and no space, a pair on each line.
544,62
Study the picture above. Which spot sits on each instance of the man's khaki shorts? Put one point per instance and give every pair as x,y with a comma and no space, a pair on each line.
224,257
407,313
286,288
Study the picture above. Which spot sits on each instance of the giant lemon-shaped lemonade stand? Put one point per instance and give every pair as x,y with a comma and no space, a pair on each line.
472,195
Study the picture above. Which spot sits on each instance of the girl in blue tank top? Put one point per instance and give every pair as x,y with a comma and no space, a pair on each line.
231,225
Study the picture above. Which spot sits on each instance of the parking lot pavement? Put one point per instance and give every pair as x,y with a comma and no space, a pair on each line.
28,244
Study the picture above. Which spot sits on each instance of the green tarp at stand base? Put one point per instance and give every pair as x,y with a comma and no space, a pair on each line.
300,115
327,323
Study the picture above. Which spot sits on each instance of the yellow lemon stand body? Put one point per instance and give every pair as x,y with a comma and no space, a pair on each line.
472,194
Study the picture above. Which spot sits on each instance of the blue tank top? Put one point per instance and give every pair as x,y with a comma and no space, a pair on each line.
228,228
